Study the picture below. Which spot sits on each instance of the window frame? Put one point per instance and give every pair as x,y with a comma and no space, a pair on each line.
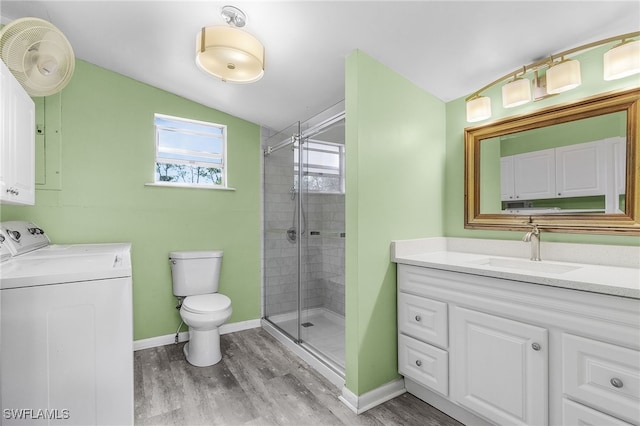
341,165
223,156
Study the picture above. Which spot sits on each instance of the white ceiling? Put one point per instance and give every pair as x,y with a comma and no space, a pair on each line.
448,48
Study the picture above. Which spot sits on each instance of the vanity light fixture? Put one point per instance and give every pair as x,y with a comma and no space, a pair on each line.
478,108
621,61
516,92
563,76
229,53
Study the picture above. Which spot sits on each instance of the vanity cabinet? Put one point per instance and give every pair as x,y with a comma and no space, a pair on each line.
493,351
499,367
17,142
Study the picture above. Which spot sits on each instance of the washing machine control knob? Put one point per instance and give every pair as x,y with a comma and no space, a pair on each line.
35,231
15,235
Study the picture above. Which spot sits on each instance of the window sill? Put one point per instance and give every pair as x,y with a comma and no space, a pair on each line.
186,185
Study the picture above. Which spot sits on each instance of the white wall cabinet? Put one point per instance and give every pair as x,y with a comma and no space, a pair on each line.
490,351
532,175
17,142
580,169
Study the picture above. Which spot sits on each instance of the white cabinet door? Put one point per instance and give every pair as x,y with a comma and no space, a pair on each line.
17,165
534,175
507,182
580,170
499,368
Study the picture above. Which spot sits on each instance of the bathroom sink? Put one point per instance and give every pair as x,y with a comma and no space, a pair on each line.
526,265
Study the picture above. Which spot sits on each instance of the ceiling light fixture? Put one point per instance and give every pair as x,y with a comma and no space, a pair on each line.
229,53
620,61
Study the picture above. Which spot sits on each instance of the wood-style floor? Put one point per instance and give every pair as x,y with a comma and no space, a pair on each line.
258,382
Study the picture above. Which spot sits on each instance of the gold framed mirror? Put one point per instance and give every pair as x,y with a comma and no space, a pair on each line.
568,168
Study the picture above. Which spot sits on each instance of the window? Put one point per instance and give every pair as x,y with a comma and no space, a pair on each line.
323,166
189,152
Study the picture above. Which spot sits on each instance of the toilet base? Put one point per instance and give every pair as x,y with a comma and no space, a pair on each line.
203,348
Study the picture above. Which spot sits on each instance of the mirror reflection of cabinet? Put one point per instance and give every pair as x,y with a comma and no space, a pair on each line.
532,175
580,170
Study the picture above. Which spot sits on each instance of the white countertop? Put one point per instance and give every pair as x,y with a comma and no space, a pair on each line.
612,270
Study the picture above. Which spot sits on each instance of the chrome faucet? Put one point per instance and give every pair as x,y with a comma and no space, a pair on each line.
533,236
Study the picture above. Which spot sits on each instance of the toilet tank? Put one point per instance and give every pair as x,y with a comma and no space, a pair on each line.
195,272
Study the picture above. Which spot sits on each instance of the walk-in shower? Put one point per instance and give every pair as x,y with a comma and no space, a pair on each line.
304,235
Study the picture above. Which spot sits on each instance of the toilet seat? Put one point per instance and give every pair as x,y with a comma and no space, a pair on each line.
206,303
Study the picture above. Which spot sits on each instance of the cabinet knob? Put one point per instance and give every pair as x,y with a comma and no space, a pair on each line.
418,318
536,346
616,383
418,362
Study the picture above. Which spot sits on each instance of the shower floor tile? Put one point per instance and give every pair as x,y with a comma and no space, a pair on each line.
326,335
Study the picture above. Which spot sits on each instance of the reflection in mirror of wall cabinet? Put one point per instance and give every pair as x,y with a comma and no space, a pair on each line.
617,219
17,143
579,170
494,351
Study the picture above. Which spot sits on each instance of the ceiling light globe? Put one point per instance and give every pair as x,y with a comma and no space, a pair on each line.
563,76
622,61
478,109
230,54
516,92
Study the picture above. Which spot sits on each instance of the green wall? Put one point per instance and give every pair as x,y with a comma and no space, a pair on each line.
107,147
395,169
592,84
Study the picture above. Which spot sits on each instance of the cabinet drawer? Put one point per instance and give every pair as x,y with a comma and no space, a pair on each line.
574,414
603,376
422,318
423,363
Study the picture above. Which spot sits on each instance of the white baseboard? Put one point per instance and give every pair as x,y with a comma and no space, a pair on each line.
183,336
361,403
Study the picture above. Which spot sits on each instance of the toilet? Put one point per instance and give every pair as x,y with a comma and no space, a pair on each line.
195,276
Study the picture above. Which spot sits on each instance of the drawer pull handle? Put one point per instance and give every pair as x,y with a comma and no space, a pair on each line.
418,318
418,362
616,383
536,346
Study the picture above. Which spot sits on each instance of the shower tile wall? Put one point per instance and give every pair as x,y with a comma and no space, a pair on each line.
323,255
280,267
326,215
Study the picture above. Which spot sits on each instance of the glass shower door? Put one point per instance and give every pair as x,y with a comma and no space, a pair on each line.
322,192
281,239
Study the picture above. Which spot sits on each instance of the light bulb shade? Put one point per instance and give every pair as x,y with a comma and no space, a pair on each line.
622,61
230,54
563,76
516,92
478,109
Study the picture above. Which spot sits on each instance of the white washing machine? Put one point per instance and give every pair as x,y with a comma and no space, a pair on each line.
66,330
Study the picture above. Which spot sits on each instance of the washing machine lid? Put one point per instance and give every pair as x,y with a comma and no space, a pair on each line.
205,303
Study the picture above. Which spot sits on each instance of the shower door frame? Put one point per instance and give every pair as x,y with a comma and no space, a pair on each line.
298,138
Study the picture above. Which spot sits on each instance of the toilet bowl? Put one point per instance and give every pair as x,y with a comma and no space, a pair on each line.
204,314
195,276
